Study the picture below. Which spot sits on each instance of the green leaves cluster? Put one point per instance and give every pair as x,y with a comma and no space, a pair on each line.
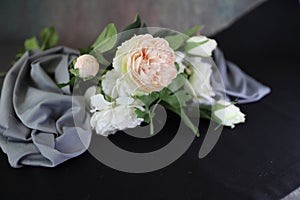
107,40
172,98
104,43
176,41
48,39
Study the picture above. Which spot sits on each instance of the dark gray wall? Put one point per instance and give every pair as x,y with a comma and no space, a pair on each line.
79,21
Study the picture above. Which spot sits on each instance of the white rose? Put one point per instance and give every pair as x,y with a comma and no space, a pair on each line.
87,65
200,85
110,117
116,85
228,114
200,46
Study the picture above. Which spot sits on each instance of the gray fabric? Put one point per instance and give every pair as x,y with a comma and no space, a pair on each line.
37,119
295,195
238,85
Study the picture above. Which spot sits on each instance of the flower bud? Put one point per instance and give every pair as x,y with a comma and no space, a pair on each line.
228,114
87,65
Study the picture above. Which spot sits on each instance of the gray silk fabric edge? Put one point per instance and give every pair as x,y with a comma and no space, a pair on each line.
37,124
238,85
37,118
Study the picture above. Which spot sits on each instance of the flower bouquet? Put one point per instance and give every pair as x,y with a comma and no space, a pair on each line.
54,96
149,67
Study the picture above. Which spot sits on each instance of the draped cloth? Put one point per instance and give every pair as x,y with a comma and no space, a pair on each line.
37,124
238,85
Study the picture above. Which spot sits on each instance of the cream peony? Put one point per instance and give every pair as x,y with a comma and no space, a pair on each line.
229,114
144,64
110,117
200,46
87,65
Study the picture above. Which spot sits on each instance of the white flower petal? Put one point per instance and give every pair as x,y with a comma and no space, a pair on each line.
117,117
230,115
99,103
109,82
89,93
205,49
179,59
200,81
124,100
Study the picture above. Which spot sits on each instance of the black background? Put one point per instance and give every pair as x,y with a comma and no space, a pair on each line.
257,160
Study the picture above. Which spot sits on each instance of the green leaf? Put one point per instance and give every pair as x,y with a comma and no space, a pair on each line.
135,24
192,31
206,114
189,123
191,45
75,72
162,33
100,58
31,44
165,93
48,37
20,53
148,100
180,112
62,85
71,82
167,96
177,66
3,74
85,51
140,113
183,97
143,114
173,101
107,39
177,99
177,83
175,41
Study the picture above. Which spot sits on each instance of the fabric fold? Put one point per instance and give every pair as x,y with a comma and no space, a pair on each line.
38,125
238,84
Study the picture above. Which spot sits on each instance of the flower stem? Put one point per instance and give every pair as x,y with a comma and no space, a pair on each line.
151,114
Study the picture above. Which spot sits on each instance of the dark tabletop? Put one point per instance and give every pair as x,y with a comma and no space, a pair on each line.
257,160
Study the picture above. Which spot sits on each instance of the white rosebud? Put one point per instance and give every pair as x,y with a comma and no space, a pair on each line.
87,65
228,114
200,46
